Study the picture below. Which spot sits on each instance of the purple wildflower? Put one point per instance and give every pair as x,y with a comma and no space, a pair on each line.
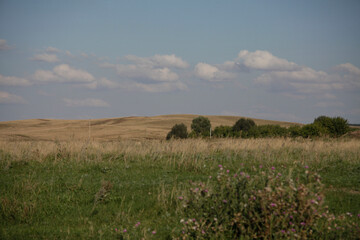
124,231
272,204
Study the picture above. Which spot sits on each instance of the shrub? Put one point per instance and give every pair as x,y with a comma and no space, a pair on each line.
201,126
177,131
335,127
265,131
243,125
294,131
268,204
340,126
312,130
223,131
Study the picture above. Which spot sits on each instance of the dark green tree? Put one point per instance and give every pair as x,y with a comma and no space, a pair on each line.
177,131
243,125
223,131
201,126
340,126
335,127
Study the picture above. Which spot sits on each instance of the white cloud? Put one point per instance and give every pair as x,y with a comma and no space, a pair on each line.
158,87
45,58
63,73
158,73
103,83
144,73
4,45
68,53
69,73
211,72
14,81
6,97
159,61
88,102
264,60
52,50
349,68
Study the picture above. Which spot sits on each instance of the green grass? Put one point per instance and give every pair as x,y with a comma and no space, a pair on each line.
87,197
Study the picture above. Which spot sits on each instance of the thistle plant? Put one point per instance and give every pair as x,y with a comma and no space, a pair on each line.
265,204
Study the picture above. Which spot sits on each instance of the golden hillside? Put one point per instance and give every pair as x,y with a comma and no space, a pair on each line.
107,129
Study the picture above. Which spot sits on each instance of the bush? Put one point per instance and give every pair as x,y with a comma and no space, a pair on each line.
223,131
266,204
177,131
340,126
312,130
294,131
265,131
201,126
335,127
243,125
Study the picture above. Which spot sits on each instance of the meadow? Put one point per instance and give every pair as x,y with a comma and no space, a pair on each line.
155,189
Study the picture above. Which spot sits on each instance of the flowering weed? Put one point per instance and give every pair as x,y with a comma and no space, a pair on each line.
266,204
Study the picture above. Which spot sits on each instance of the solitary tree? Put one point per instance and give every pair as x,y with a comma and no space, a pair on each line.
201,126
177,131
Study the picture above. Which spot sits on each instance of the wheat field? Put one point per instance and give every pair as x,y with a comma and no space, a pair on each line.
107,129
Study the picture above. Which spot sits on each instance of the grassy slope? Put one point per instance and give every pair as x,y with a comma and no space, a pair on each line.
107,129
49,190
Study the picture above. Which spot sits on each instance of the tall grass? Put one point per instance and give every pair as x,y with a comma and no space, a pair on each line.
131,189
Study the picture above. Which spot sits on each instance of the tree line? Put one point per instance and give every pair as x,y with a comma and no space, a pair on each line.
246,128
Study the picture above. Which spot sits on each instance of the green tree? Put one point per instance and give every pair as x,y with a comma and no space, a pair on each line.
201,126
243,125
177,131
311,130
340,126
223,131
335,127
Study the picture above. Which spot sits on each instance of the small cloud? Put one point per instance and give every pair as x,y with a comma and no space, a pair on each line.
211,73
4,45
88,102
6,97
63,73
14,81
144,73
103,83
50,58
349,68
68,53
159,61
52,50
264,60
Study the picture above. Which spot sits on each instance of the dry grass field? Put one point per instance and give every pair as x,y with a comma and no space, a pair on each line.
128,182
107,129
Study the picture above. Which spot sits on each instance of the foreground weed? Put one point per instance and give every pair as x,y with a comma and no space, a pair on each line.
265,204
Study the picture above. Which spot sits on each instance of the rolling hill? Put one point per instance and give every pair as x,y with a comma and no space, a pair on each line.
109,129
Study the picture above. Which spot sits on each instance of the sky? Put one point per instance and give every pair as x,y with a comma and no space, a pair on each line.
278,60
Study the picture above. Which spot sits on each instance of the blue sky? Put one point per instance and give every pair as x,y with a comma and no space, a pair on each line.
279,60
